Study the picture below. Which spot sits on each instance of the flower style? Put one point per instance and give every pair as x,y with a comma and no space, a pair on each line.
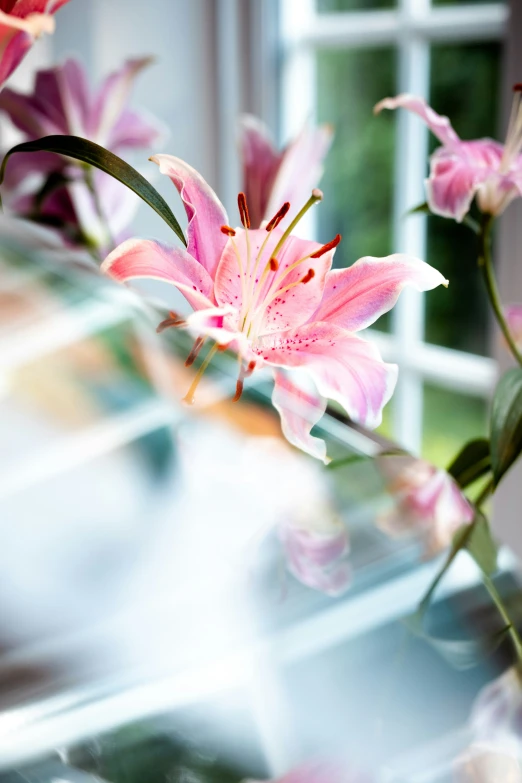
461,170
61,103
428,502
272,177
272,298
21,22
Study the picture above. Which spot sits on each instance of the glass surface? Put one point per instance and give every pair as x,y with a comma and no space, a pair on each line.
358,177
466,2
329,6
450,419
465,87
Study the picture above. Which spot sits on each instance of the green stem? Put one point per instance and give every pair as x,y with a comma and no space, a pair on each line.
486,264
486,492
497,600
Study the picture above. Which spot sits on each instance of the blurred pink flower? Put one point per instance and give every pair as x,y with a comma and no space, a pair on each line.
513,316
497,710
461,170
485,763
21,22
317,554
272,298
320,772
428,502
62,103
271,177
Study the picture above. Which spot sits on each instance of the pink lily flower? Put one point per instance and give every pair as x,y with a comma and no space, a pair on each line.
319,772
513,316
62,103
497,710
272,177
21,23
461,170
273,299
317,552
428,502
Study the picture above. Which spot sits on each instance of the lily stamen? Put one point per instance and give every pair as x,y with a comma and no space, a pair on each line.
309,275
274,264
243,210
189,397
191,358
325,248
228,231
174,320
278,217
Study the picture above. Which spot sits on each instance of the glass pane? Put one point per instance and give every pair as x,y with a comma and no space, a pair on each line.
464,2
326,6
450,419
358,178
464,86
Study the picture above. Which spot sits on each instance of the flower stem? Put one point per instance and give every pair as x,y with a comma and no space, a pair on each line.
89,181
497,600
486,264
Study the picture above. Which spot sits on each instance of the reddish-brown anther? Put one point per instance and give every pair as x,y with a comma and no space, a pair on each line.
243,210
173,320
274,222
325,248
309,276
274,264
228,231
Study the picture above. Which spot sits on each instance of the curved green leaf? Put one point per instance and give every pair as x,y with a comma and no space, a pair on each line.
471,463
506,422
94,155
481,545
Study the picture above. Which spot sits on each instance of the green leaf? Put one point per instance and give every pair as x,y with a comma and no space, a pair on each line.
350,460
471,463
481,545
506,422
94,155
420,209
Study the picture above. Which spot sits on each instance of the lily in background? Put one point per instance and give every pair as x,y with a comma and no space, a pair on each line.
428,502
461,170
271,176
273,299
513,316
21,23
90,207
319,772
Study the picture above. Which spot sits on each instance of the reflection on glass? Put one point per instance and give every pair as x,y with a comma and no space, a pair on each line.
464,86
326,6
358,178
464,2
450,419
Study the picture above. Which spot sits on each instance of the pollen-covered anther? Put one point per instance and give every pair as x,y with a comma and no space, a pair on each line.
278,217
325,248
250,369
517,87
191,358
239,390
174,320
243,210
228,231
309,276
274,264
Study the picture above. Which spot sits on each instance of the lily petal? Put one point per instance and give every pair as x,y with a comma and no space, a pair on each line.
457,174
440,126
17,35
318,560
111,99
513,315
293,306
356,296
300,408
300,171
145,258
343,367
260,161
205,212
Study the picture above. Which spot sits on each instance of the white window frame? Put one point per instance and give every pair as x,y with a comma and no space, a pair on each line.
412,28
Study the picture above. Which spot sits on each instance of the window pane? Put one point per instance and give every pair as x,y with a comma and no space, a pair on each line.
464,2
464,86
325,6
450,419
358,178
